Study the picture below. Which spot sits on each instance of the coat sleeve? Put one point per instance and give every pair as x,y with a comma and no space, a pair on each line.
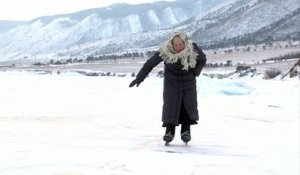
201,60
148,66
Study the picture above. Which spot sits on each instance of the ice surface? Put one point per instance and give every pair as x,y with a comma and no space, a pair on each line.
76,125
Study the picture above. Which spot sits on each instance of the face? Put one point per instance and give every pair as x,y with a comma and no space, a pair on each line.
178,44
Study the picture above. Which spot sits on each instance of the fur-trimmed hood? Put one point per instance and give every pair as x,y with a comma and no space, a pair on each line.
187,56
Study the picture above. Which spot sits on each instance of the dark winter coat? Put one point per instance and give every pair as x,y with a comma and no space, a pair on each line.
179,86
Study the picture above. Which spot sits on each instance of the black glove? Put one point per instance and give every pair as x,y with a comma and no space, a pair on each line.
134,82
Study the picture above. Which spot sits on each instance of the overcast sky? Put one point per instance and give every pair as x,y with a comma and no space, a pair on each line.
29,9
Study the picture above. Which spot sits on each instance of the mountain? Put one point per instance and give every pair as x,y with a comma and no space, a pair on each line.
239,18
125,28
223,21
286,28
52,33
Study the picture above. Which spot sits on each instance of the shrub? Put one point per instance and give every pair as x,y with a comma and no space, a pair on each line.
294,73
271,73
241,68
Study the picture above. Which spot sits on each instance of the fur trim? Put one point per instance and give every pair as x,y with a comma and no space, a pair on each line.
187,57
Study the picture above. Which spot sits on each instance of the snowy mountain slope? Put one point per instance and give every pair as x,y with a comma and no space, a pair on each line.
288,26
127,43
245,16
215,25
48,34
122,27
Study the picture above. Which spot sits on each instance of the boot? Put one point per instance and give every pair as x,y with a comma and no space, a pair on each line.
186,136
169,135
185,133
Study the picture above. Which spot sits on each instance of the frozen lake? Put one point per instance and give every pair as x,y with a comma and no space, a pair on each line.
76,125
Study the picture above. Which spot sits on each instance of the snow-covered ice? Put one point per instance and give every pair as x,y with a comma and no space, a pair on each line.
77,125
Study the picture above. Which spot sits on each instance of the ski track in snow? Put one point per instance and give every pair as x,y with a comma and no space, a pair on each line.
77,125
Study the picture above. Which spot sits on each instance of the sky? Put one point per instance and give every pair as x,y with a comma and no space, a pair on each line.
26,10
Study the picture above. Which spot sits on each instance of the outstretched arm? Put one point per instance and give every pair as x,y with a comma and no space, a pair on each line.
201,60
146,69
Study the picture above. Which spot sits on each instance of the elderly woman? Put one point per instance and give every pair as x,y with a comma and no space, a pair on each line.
183,61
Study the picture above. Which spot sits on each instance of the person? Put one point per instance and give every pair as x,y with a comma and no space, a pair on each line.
183,62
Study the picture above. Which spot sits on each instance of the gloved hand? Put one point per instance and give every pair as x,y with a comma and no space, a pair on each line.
134,82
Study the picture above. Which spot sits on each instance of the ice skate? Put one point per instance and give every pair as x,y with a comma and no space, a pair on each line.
168,137
186,136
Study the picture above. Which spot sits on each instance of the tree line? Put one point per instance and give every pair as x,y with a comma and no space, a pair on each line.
90,59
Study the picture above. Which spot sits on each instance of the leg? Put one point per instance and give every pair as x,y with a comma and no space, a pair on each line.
185,125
